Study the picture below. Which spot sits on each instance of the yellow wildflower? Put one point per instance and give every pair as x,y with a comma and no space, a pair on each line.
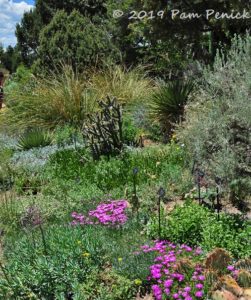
138,281
86,254
120,259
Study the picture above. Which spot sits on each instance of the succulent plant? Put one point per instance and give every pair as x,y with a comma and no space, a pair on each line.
104,129
218,260
226,287
244,264
34,138
212,279
184,266
244,278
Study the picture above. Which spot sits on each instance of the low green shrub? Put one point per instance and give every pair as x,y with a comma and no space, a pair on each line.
20,80
130,132
230,232
115,173
106,285
66,135
184,225
194,224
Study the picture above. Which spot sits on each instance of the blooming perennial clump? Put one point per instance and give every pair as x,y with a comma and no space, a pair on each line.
112,213
174,275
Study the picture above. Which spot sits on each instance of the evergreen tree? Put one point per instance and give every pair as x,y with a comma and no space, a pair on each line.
75,40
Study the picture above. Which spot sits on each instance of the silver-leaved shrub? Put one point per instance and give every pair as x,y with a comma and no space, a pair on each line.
218,120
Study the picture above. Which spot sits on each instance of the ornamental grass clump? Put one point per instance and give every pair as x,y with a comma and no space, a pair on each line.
112,213
177,272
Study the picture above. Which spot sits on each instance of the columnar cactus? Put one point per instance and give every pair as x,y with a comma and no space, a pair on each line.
104,130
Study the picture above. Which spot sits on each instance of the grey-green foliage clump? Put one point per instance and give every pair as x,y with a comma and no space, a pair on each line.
218,123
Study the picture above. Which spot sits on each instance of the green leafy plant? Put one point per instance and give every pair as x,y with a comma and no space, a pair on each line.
20,80
194,224
33,272
77,260
66,135
131,133
106,285
183,225
230,232
116,172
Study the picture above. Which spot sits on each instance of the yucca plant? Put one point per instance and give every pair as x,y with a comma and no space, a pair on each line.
33,139
167,104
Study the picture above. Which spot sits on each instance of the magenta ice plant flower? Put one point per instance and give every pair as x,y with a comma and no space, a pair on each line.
187,289
199,294
169,283
199,286
112,213
231,268
157,292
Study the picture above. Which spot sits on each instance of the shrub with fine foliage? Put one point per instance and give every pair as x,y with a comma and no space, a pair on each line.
217,126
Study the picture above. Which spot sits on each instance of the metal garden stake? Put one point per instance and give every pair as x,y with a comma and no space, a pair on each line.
161,193
200,175
135,199
218,182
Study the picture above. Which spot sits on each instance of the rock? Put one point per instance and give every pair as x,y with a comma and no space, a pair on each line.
223,295
228,283
247,294
146,297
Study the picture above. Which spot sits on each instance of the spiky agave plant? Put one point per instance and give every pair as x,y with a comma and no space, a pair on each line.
166,105
33,139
